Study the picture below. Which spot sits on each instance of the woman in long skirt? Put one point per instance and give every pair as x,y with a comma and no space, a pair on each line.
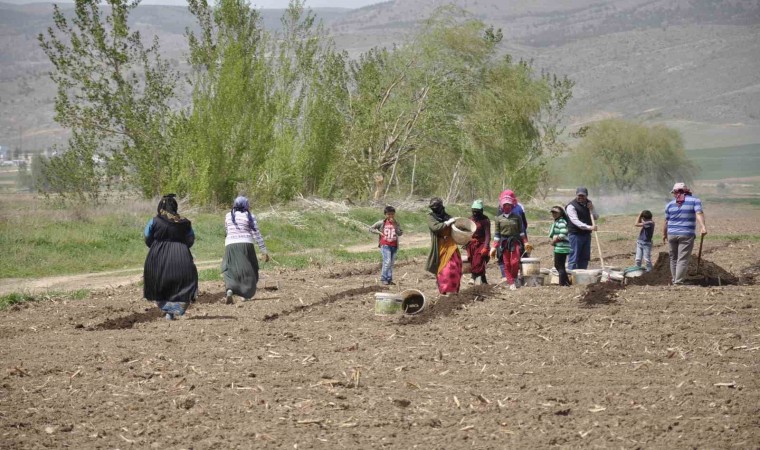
240,266
170,276
444,260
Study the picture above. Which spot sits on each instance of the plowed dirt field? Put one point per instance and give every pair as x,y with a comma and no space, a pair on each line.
308,364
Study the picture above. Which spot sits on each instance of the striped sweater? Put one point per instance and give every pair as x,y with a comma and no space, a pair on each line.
559,229
243,232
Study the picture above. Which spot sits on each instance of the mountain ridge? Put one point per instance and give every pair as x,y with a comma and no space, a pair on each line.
691,64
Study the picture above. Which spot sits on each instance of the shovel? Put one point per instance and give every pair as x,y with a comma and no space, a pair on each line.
699,253
596,236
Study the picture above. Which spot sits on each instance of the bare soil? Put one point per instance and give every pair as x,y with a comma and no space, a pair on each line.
308,364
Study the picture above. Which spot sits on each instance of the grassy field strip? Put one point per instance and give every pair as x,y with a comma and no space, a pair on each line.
727,162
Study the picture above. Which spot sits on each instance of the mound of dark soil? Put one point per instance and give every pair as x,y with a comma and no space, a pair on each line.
446,306
151,314
209,297
751,274
707,274
326,301
600,294
125,322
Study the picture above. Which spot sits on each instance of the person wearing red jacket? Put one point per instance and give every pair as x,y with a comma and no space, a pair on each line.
477,248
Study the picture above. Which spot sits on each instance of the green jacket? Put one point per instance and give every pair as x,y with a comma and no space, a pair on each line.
559,228
435,227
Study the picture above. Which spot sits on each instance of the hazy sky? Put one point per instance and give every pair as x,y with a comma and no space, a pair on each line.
255,3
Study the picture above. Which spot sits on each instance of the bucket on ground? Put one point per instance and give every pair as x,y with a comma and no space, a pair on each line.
387,303
412,301
633,272
586,276
534,280
462,230
530,266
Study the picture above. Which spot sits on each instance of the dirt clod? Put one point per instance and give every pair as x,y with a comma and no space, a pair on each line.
601,294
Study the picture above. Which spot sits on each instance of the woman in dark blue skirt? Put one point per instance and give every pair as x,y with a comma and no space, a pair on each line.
170,275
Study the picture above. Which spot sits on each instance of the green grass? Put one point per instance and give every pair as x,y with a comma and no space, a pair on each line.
727,162
39,240
15,298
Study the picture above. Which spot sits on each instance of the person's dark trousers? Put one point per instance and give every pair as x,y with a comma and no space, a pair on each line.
559,264
580,251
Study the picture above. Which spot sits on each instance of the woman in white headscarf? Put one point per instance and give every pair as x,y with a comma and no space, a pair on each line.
240,266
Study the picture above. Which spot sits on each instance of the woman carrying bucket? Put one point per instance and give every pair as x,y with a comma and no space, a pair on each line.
477,248
444,260
509,238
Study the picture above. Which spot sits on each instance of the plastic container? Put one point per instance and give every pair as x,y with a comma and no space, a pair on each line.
412,302
534,280
586,276
633,272
612,275
462,230
553,276
387,303
530,266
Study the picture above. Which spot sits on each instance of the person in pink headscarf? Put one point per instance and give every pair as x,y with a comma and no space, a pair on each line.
520,211
510,240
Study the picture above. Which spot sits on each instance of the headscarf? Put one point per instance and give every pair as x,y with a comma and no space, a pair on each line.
477,209
508,193
681,191
436,206
167,208
507,201
241,204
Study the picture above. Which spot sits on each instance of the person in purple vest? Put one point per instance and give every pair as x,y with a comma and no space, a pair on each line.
682,215
579,226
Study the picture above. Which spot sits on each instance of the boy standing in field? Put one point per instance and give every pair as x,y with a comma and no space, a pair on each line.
389,231
644,243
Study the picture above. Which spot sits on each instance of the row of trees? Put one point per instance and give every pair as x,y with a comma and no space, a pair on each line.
281,114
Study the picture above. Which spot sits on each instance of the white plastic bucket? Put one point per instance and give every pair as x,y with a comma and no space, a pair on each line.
530,266
586,276
462,230
534,280
412,301
387,303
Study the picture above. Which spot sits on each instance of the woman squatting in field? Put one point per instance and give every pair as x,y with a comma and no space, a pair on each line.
170,276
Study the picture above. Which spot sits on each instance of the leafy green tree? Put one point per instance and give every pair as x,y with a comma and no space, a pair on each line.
219,143
449,116
408,102
266,114
114,93
627,156
74,173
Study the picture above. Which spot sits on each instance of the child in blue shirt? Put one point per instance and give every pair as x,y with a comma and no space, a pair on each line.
644,242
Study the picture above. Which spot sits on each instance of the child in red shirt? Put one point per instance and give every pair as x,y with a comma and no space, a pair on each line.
389,231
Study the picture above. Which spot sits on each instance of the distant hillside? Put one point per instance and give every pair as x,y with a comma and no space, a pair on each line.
692,64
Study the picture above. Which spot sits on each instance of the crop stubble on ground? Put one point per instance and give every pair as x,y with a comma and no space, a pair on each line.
310,366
